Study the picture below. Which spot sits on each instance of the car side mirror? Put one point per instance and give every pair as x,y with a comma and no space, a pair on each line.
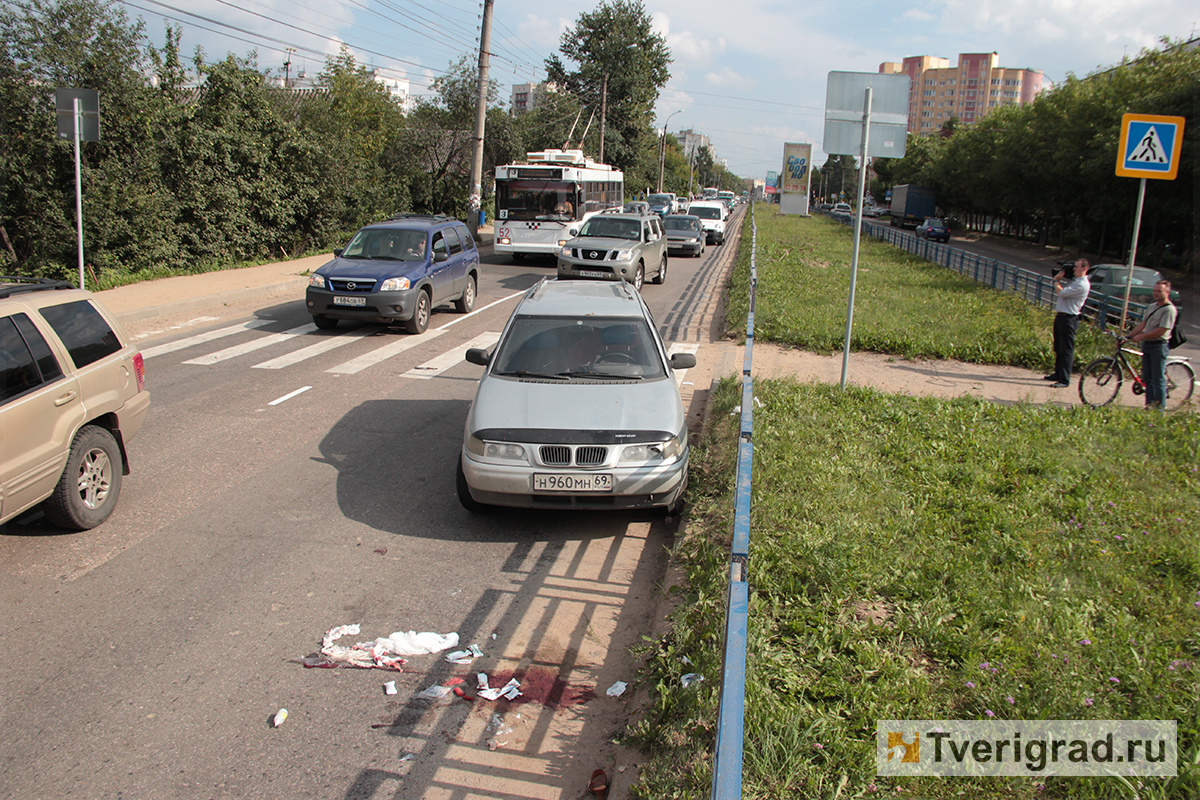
478,355
440,256
338,253
683,361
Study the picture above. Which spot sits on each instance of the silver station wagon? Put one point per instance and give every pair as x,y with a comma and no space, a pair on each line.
578,407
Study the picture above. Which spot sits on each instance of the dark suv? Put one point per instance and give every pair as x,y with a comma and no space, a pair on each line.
397,271
73,392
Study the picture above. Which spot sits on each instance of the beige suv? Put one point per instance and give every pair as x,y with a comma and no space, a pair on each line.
616,246
73,394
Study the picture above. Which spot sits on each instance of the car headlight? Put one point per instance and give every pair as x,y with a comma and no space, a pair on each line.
497,451
659,452
316,281
566,252
394,285
624,255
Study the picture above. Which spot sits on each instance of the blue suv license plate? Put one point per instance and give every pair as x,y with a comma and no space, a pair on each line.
349,301
565,482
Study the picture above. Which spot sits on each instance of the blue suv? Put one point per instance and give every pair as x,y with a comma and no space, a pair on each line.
397,271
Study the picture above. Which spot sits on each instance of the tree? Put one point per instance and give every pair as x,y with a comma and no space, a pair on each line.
616,47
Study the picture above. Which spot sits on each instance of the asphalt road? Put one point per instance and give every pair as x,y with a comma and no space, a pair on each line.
287,481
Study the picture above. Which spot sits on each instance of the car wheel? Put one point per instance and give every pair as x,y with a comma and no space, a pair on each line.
701,253
464,492
324,323
90,484
465,303
420,317
661,277
639,277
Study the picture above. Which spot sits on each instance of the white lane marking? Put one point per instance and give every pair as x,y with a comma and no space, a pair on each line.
436,366
201,338
181,326
250,347
289,395
681,347
322,346
481,310
356,365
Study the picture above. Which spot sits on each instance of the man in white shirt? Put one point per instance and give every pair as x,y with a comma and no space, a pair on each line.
1068,306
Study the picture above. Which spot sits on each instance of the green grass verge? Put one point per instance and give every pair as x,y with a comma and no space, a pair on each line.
903,305
917,558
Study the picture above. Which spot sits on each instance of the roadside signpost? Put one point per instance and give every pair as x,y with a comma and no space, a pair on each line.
1150,148
78,116
879,130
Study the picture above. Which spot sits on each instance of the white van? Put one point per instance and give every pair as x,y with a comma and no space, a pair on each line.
712,216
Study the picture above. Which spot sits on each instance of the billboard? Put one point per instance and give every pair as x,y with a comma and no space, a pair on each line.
797,163
795,178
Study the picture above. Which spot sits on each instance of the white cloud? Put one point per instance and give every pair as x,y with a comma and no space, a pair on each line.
726,78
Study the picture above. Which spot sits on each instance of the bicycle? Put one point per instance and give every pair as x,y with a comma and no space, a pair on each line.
1100,382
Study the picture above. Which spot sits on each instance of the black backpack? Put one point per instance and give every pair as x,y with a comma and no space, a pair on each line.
1178,337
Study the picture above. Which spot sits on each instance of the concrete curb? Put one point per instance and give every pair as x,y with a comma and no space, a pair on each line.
293,289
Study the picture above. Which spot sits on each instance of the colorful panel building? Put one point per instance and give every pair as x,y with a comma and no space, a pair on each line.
969,91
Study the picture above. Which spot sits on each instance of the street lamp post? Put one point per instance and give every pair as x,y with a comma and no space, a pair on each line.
662,149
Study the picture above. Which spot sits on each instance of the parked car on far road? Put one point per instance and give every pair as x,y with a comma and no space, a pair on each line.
935,230
1108,280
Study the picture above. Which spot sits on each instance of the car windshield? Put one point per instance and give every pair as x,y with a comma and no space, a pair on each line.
659,199
389,244
705,213
681,224
612,228
596,348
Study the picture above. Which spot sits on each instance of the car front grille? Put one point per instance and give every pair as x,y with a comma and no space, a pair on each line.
587,254
556,455
352,285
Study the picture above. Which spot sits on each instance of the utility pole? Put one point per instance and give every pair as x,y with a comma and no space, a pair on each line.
662,149
287,67
485,42
603,111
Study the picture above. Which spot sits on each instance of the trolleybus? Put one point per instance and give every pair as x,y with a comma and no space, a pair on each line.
540,201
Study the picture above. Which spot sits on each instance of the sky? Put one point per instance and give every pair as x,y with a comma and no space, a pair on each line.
749,74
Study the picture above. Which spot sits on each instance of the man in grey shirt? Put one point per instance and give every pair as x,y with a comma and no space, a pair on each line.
1153,332
1068,306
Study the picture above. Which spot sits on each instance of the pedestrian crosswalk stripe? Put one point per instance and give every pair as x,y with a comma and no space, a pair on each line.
202,338
681,347
323,346
356,365
250,347
436,366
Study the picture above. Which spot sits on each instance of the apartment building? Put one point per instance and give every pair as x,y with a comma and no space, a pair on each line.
969,91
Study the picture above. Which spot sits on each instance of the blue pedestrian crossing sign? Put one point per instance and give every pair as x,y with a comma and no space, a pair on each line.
1150,146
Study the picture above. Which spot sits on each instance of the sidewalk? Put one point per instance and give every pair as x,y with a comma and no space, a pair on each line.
212,290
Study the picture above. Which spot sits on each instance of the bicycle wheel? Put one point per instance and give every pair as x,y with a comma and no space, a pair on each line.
1100,382
1181,381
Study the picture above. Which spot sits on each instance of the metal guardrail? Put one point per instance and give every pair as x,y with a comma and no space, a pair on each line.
1037,288
727,763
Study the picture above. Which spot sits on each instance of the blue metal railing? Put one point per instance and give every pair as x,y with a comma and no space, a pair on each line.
1036,287
727,763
